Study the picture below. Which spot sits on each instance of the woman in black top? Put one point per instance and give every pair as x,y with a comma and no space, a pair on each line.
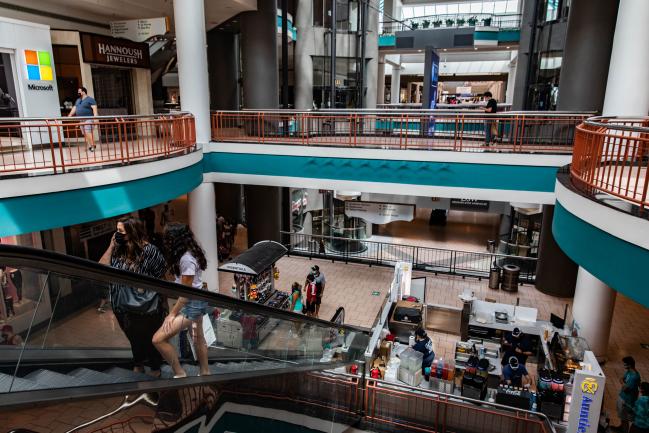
139,312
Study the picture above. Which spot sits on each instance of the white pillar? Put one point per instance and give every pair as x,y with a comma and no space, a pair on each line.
511,78
202,220
304,48
592,310
395,86
627,88
191,49
371,57
380,81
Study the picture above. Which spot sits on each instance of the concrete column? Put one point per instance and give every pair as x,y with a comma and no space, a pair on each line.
223,59
556,273
259,56
511,78
371,57
202,220
592,310
627,88
267,212
395,90
380,81
587,55
191,47
304,47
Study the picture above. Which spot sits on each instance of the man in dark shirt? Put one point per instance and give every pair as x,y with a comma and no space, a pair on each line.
424,345
490,125
85,106
516,344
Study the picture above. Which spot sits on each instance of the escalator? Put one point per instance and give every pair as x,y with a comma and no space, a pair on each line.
82,355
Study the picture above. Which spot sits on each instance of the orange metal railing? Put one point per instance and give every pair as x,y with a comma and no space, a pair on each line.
59,145
391,129
611,155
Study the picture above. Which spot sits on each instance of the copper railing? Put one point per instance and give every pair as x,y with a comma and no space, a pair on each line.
611,155
390,129
56,146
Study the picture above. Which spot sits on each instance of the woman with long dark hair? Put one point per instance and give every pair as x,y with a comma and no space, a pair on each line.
139,312
186,261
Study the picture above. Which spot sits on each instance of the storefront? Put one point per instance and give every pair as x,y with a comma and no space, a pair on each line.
28,85
115,71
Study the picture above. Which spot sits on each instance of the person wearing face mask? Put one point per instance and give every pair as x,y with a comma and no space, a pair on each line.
85,106
515,374
139,312
628,394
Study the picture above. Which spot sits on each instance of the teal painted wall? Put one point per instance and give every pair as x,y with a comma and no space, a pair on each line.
489,176
45,211
236,422
616,262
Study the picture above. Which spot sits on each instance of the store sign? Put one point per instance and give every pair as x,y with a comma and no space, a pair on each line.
116,52
470,205
46,87
39,66
380,213
139,30
463,90
587,395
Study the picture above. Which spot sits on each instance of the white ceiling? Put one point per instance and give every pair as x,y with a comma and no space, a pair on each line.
104,11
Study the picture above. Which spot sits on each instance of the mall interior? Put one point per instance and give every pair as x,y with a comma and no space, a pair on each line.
324,216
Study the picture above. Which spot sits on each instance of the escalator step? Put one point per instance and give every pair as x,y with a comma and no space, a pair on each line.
92,377
18,385
52,379
129,375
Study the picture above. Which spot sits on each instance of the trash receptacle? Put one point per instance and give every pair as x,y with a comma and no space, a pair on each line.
510,278
494,278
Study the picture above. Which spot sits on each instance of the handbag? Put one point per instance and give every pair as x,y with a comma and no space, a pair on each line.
139,301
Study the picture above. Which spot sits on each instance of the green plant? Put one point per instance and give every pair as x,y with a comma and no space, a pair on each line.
425,24
460,22
437,23
473,21
414,25
486,22
450,22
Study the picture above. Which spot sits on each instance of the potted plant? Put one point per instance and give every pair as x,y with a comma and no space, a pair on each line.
425,24
414,25
473,21
487,22
450,22
437,23
460,22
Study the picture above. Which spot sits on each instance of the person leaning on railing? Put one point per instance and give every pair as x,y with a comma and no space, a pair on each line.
85,106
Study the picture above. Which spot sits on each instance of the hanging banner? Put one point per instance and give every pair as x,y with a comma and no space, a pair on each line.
379,213
139,30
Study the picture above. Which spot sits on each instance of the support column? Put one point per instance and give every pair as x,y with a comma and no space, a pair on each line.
304,47
202,220
395,89
223,64
627,88
267,212
371,57
259,56
556,273
592,310
587,55
380,81
511,78
191,48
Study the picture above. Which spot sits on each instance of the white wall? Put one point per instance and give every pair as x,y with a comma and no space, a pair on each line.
17,36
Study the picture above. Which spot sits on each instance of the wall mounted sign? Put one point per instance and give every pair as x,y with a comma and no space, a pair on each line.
105,50
470,205
139,30
39,66
380,213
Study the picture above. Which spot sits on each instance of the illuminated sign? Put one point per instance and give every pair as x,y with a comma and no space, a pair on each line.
39,65
588,386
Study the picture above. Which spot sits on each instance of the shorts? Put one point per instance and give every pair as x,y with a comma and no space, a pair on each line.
86,126
318,300
310,307
194,309
624,412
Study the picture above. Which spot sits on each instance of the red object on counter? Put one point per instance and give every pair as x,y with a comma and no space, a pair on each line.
353,369
375,373
389,337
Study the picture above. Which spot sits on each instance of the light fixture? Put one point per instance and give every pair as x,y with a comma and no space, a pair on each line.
445,49
508,47
476,48
419,51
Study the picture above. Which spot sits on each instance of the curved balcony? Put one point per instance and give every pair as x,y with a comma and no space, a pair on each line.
53,146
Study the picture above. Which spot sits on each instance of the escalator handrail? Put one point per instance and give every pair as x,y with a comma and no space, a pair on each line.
24,257
339,311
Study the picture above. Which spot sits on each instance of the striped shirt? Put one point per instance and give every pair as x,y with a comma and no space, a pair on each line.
150,263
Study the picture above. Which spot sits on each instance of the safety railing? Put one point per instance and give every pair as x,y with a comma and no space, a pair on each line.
389,129
46,146
439,260
501,21
611,155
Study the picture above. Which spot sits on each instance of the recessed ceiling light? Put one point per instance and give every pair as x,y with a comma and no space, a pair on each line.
476,48
419,51
445,49
508,47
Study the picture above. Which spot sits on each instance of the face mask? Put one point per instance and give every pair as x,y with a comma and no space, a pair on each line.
120,238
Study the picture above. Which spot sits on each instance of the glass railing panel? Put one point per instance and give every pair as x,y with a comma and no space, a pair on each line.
67,342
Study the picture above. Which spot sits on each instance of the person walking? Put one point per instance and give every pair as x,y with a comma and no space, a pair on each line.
85,106
139,312
186,260
490,125
320,283
628,394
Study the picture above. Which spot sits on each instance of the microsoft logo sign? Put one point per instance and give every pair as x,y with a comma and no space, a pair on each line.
39,65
